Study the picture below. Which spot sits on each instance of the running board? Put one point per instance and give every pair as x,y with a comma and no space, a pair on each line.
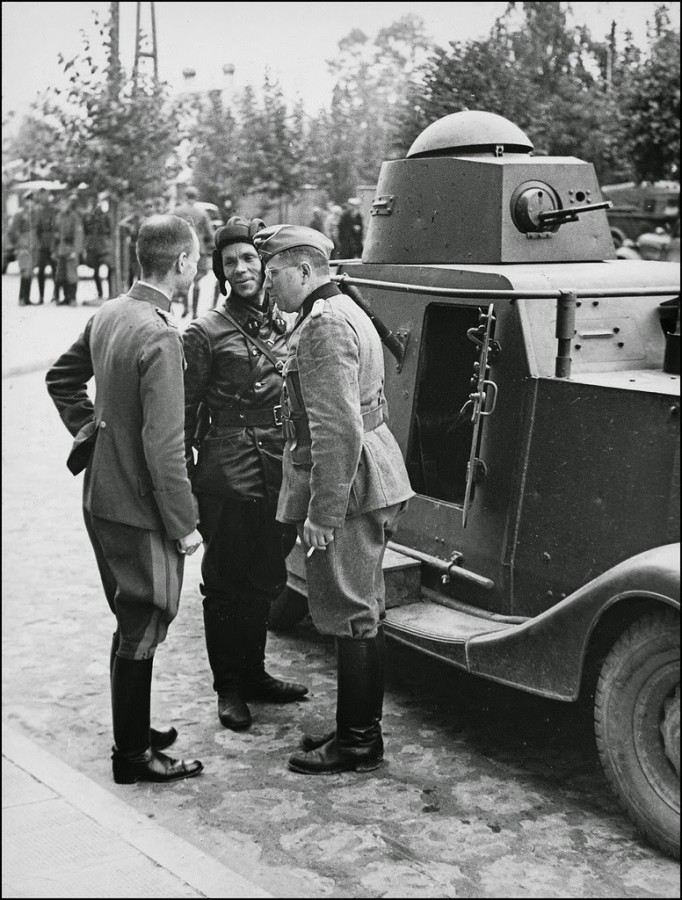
438,630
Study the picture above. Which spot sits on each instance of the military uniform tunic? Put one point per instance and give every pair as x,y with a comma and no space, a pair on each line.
342,466
137,496
238,472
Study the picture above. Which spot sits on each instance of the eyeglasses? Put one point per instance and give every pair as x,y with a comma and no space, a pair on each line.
270,272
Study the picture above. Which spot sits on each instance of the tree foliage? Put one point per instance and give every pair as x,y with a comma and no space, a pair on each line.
651,105
112,132
572,94
614,105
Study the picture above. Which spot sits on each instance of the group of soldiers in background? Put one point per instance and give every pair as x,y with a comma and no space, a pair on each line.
48,233
343,227
56,233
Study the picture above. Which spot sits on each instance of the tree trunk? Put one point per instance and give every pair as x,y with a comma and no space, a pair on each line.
115,282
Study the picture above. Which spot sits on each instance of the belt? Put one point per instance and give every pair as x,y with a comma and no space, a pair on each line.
298,428
249,417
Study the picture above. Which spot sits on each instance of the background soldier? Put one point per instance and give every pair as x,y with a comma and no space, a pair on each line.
69,243
344,484
234,358
98,241
351,230
138,505
46,216
23,234
201,222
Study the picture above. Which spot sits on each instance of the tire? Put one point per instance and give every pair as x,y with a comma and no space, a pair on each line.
287,610
637,725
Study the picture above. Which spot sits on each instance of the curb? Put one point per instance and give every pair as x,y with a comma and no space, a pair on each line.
182,859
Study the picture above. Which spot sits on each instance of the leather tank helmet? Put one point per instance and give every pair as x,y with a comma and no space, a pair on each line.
239,231
236,231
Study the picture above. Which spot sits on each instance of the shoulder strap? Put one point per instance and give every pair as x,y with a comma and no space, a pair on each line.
257,342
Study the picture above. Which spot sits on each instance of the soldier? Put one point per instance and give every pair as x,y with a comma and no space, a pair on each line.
24,236
344,484
45,231
138,505
350,230
69,243
98,241
234,359
202,225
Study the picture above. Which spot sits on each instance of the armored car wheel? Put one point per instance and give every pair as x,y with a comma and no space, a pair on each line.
637,724
287,610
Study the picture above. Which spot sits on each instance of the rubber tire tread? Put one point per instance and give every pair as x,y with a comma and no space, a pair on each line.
661,628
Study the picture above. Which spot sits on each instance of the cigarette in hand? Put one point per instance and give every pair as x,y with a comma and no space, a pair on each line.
310,552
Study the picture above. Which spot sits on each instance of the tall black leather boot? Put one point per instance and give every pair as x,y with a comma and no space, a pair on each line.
133,757
357,744
160,738
25,292
313,741
224,634
257,683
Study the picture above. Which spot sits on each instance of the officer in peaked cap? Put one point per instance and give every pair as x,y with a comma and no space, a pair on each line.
344,484
138,506
235,354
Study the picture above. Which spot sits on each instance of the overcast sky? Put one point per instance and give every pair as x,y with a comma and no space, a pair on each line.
294,39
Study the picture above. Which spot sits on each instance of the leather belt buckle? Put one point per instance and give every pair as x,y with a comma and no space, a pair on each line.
277,415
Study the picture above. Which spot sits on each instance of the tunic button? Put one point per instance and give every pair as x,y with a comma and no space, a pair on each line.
259,384
254,352
260,443
102,424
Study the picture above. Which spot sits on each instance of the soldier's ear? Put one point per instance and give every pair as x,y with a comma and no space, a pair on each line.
306,268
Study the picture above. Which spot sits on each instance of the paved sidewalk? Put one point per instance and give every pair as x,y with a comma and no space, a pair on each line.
65,836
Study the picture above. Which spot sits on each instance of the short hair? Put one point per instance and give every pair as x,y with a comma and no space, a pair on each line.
161,240
297,255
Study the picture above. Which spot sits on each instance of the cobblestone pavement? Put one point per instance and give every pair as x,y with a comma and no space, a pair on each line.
485,792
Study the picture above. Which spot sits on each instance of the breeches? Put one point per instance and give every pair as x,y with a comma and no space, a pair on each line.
346,591
141,573
25,260
67,270
244,549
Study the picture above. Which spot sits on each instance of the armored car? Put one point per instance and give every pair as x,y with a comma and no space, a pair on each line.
533,385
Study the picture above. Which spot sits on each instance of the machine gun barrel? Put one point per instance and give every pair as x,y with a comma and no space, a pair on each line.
560,216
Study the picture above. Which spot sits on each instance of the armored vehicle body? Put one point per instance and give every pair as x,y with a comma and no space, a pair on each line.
533,386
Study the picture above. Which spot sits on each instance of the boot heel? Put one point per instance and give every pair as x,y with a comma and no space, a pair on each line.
123,774
367,765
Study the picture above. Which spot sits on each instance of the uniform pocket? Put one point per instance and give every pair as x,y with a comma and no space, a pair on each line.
144,484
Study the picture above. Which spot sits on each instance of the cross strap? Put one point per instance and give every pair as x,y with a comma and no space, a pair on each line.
256,341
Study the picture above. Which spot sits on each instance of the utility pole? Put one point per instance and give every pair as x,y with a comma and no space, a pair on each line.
139,51
114,88
610,57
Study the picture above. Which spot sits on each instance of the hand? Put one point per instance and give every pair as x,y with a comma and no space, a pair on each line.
189,543
317,536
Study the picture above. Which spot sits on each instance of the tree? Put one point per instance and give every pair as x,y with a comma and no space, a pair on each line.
368,100
651,105
114,133
214,148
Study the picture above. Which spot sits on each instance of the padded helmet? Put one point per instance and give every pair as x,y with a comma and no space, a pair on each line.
236,231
